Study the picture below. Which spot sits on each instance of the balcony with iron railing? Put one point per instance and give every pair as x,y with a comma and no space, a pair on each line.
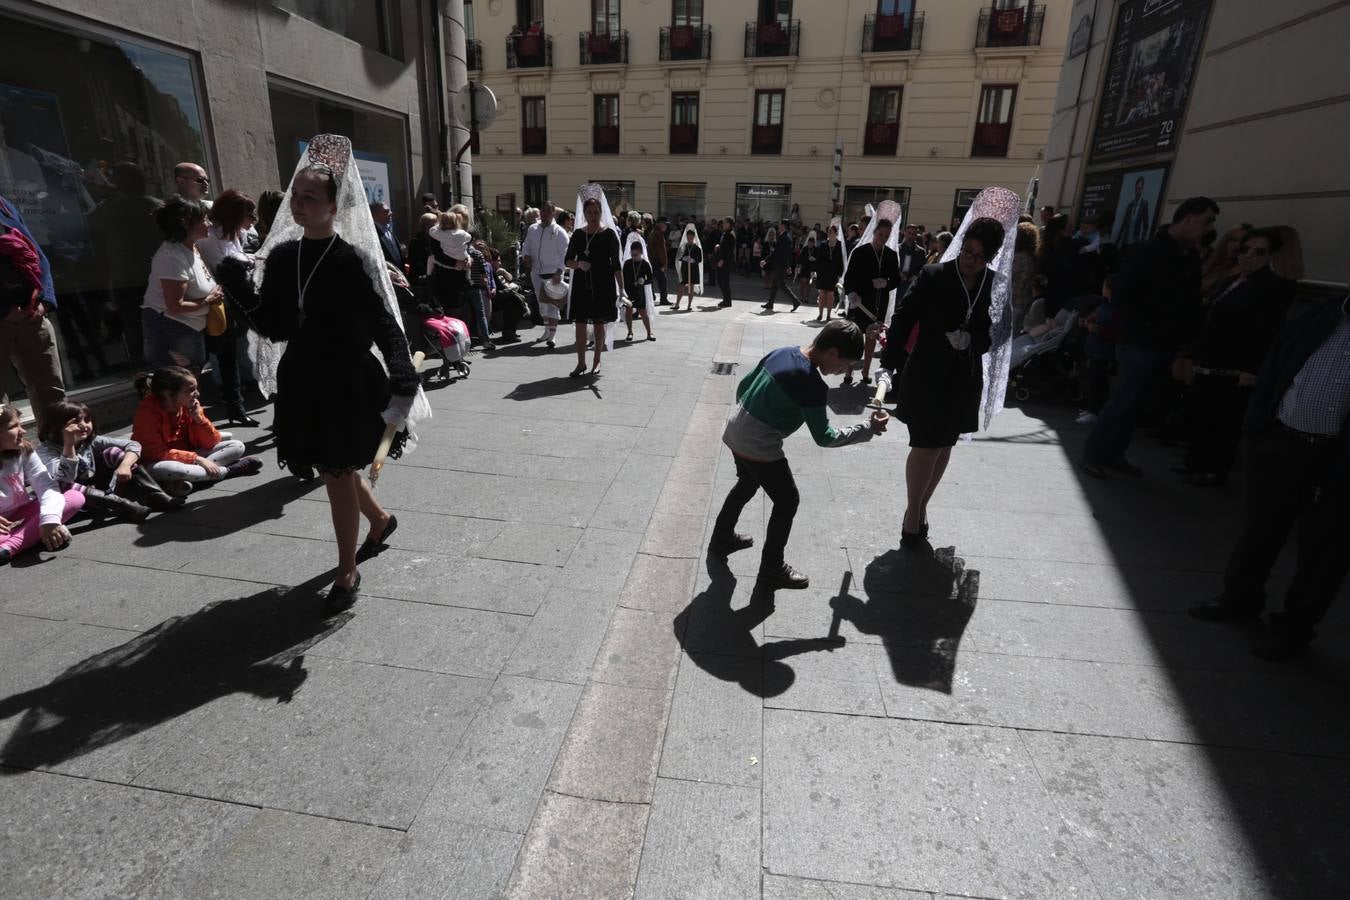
473,54
681,42
683,138
1016,27
533,140
604,48
892,34
605,139
881,139
770,39
529,51
767,139
991,139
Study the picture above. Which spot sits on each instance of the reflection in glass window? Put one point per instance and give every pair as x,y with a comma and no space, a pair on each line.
86,149
368,22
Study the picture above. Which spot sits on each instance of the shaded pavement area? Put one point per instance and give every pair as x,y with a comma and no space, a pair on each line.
548,689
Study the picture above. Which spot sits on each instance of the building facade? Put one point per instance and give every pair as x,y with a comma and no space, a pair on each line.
99,99
712,109
1242,101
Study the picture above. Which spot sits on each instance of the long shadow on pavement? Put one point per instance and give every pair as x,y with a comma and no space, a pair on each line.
221,513
255,645
719,638
919,603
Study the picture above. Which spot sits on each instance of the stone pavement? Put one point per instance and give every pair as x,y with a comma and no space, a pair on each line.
547,690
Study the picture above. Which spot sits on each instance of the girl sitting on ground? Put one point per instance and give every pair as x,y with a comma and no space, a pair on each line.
25,522
179,443
105,468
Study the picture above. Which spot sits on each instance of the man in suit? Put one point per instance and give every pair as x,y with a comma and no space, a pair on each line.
726,260
1297,470
1134,226
912,256
384,227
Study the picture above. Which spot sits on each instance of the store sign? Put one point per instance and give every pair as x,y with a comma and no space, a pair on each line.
374,171
1151,66
765,191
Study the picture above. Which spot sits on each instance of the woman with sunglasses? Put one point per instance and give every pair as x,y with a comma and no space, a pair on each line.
1244,318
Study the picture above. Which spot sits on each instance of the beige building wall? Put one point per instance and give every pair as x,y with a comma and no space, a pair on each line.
827,88
1264,135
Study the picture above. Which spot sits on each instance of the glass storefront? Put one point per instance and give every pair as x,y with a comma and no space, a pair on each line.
681,200
379,141
91,127
622,196
763,202
857,198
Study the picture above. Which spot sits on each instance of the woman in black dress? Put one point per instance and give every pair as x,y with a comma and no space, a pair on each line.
690,267
943,379
597,281
829,269
333,396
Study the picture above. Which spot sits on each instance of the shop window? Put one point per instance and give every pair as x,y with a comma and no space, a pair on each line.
681,201
763,202
91,127
536,190
371,23
857,198
622,196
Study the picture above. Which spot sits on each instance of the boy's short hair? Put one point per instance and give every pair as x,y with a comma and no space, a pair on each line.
841,335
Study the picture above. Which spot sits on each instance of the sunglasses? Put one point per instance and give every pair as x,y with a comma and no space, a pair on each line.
201,179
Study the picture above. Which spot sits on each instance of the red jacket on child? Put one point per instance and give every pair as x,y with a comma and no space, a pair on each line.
168,436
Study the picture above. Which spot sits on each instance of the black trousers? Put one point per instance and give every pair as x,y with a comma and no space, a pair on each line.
1289,481
226,348
660,273
724,282
1215,407
1095,382
777,279
777,481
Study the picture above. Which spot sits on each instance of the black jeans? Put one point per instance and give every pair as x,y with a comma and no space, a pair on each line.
1215,406
724,282
1289,480
660,273
777,481
778,279
226,348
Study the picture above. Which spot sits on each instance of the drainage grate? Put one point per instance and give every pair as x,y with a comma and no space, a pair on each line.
723,368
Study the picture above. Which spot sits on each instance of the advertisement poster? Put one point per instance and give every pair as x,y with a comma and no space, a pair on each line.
1137,204
1099,195
1152,61
374,169
37,174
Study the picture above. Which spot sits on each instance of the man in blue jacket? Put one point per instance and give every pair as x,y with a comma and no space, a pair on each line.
1297,459
27,339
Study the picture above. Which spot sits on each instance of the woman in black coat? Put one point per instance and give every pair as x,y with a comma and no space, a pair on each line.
829,269
942,381
1244,319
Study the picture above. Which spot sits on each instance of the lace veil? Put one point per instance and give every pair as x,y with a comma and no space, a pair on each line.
691,231
593,191
357,228
891,211
1004,206
635,237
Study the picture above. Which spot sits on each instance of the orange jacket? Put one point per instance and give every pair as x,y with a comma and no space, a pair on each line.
168,436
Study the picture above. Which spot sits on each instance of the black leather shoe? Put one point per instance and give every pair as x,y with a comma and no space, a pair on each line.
721,546
1220,609
370,546
783,577
239,416
340,599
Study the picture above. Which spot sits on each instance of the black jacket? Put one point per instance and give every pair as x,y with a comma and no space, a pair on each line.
726,250
917,259
829,265
1244,322
1299,339
1158,295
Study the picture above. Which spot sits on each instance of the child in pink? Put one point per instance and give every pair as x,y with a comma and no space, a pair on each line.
24,521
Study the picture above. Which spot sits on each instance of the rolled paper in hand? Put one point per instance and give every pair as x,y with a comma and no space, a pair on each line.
382,453
879,397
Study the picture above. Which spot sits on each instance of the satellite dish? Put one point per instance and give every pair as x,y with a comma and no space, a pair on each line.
481,112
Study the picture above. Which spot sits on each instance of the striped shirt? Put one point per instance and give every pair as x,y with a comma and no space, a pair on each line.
780,395
1318,401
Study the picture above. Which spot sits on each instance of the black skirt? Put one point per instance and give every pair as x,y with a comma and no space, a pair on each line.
328,406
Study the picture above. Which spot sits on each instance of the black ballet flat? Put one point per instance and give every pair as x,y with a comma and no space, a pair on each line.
341,599
577,372
370,546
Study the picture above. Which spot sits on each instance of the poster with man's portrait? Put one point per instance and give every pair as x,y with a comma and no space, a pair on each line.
1137,203
1153,55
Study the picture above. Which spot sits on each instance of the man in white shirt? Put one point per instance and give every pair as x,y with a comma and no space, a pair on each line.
543,252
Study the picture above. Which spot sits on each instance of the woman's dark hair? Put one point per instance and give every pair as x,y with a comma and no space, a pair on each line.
177,217
1271,235
231,211
841,335
588,201
882,223
163,382
319,170
1194,206
268,204
989,232
8,416
59,415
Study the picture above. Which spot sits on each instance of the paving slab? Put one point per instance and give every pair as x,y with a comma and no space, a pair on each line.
640,650
441,858
540,545
703,840
659,583
561,641
580,848
780,887
612,746
714,732
913,805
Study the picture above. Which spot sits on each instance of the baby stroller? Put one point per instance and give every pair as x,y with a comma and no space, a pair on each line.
445,337
1044,361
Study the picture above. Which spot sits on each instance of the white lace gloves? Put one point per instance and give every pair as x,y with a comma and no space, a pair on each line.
959,339
397,413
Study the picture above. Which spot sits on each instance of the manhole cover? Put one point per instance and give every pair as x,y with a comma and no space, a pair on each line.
723,368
